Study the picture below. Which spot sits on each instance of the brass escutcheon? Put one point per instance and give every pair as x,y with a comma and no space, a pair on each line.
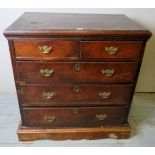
77,67
75,111
76,89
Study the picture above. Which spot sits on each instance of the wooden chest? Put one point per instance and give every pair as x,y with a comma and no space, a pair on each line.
75,74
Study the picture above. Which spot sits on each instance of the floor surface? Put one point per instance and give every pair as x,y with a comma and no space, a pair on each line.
142,120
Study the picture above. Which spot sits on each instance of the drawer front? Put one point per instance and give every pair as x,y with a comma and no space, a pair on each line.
111,49
70,95
77,72
74,117
46,49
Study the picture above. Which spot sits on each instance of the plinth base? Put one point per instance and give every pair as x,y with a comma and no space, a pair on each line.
30,134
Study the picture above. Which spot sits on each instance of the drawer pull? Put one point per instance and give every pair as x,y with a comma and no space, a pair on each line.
108,72
48,95
50,118
104,94
47,72
111,50
77,67
45,49
101,117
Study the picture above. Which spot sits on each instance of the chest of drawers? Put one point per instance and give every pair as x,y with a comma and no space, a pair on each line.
75,74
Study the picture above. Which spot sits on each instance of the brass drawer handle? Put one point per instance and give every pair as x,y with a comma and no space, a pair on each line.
101,117
104,95
108,72
45,49
47,72
48,95
50,118
111,50
77,67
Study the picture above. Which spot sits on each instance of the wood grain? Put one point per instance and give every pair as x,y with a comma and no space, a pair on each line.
116,132
74,116
58,24
96,49
61,49
88,72
73,95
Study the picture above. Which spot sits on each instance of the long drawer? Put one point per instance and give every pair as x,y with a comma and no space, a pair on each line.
74,95
74,117
47,72
111,49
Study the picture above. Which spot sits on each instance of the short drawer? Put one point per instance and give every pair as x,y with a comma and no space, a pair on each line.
46,49
76,72
111,49
74,95
74,117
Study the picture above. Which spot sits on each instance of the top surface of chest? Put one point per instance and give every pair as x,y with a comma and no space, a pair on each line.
74,24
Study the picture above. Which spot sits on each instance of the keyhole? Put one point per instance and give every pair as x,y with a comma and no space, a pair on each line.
75,111
77,67
76,89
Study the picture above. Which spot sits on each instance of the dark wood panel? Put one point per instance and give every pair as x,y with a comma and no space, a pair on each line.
46,49
111,49
74,95
74,117
77,72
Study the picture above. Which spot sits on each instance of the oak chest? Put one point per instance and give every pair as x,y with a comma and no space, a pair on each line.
75,74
